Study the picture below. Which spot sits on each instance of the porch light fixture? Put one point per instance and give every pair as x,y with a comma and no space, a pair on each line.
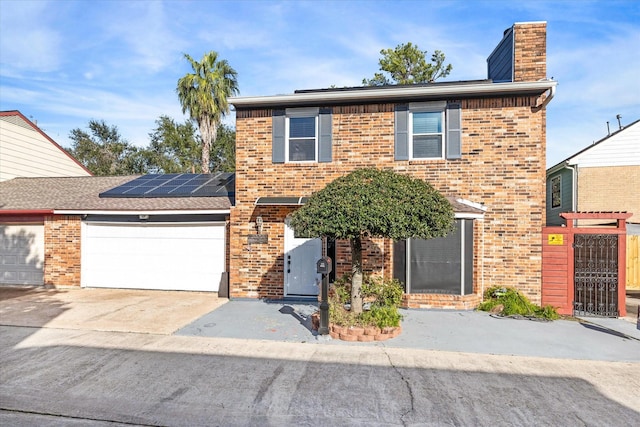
143,217
259,223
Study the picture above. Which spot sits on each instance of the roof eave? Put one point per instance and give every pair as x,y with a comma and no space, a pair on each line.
395,94
140,211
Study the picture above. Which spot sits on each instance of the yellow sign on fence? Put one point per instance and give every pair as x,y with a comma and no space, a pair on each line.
555,239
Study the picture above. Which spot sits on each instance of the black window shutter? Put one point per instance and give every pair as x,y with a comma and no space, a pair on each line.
454,131
324,140
401,132
278,130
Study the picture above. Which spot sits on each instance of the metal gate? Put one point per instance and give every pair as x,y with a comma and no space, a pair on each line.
596,275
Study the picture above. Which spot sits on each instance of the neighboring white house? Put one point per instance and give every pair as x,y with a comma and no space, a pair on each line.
26,151
604,176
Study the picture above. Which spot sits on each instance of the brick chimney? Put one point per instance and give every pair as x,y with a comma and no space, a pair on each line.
521,55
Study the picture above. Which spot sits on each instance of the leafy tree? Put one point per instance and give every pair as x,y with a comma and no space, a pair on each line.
104,152
204,94
373,203
407,64
174,147
223,151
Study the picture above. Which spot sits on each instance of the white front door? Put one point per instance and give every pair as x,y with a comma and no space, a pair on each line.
300,258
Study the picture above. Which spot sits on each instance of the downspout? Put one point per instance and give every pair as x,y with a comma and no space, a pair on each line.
574,185
552,93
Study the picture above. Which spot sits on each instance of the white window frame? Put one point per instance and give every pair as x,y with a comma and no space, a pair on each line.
301,113
428,107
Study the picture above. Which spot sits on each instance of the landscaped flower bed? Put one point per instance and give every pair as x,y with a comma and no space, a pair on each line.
380,320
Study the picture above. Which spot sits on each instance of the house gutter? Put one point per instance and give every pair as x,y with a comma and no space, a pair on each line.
400,93
143,212
552,93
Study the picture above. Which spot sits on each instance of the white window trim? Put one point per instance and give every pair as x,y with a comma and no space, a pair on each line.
301,112
428,107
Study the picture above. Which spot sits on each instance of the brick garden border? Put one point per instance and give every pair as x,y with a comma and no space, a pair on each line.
357,333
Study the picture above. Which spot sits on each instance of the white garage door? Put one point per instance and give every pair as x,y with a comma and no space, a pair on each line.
21,254
189,256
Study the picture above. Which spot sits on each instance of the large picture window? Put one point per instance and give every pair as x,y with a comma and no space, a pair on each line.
437,266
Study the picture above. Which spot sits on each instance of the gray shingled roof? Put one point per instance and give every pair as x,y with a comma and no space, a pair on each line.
81,194
460,207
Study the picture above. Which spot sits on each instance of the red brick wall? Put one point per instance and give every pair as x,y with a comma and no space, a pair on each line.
62,250
502,166
530,48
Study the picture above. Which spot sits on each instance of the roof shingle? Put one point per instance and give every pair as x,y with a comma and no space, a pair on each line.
81,194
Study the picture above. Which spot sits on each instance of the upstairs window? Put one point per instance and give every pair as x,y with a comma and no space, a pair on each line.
301,135
426,136
428,130
302,141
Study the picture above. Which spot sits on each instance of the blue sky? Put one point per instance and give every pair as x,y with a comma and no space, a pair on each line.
65,62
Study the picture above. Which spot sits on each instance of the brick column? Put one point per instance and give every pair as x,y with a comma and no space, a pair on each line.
62,250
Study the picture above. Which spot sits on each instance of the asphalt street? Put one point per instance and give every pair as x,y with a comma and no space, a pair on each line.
66,377
153,363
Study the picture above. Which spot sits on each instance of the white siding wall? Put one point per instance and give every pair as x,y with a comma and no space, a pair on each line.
24,152
621,149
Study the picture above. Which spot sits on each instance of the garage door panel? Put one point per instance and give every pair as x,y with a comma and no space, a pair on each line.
22,254
154,256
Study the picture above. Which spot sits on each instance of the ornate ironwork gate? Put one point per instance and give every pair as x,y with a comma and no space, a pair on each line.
596,275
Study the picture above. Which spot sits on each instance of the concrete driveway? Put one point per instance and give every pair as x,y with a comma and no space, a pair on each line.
113,310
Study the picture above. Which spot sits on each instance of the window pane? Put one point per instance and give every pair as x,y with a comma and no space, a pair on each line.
302,149
302,127
556,199
400,261
427,123
427,146
435,264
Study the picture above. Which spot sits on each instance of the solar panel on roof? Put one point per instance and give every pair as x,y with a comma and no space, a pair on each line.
221,184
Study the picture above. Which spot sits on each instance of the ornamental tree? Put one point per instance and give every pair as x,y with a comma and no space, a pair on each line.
373,203
407,64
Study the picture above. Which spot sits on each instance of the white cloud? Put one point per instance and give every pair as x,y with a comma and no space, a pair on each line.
28,42
146,29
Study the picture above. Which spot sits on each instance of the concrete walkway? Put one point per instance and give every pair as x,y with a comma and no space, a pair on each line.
461,331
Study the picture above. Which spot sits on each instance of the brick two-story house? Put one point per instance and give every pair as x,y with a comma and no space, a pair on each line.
481,143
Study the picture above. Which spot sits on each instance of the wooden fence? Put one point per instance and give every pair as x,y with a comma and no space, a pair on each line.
633,263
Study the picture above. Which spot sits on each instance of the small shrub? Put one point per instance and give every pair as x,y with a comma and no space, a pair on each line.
514,303
381,316
383,296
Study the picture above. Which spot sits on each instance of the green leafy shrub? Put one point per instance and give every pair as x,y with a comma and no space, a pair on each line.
382,296
514,303
381,316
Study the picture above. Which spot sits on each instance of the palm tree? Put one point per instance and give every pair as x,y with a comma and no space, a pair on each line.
204,94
